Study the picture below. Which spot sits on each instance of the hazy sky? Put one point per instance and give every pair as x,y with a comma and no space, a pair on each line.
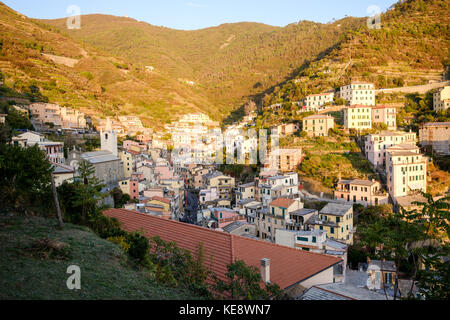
196,14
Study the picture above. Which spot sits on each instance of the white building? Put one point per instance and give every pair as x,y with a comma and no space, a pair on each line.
278,186
362,93
315,101
53,150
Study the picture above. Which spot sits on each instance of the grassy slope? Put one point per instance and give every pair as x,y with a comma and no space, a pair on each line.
230,62
105,272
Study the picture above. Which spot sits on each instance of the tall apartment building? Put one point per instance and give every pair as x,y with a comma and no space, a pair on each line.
377,144
358,93
365,192
441,99
386,115
315,101
277,216
318,125
224,184
285,160
437,136
358,117
128,163
406,171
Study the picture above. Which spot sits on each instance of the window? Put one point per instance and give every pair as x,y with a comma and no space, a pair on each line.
332,230
314,239
302,239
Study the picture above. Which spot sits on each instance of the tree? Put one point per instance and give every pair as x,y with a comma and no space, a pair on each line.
434,279
244,283
389,237
120,199
417,235
435,215
25,182
88,191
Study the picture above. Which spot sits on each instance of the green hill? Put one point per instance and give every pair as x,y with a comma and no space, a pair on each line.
26,272
228,63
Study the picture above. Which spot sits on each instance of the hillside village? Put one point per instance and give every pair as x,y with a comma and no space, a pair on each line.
287,188
163,180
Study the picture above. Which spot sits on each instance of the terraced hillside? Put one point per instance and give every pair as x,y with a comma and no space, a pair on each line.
411,48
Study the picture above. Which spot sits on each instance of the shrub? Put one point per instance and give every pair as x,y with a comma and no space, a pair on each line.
139,246
121,241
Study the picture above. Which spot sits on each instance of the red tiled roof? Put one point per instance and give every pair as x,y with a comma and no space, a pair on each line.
282,203
288,265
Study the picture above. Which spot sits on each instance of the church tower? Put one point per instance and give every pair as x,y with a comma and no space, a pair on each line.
109,139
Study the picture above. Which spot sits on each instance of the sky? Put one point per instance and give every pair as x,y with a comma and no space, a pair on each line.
197,14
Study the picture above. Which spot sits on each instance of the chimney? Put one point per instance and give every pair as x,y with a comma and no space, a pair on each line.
265,270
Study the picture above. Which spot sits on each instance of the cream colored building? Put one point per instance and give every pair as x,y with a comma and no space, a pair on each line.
358,117
318,125
406,171
61,117
245,191
224,184
436,135
358,93
441,99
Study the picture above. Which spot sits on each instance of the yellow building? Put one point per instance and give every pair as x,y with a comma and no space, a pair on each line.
336,220
358,117
277,216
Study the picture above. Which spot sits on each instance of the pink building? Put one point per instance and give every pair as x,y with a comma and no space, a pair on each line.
385,114
154,192
365,192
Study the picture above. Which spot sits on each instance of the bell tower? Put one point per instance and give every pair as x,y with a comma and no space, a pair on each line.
109,138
